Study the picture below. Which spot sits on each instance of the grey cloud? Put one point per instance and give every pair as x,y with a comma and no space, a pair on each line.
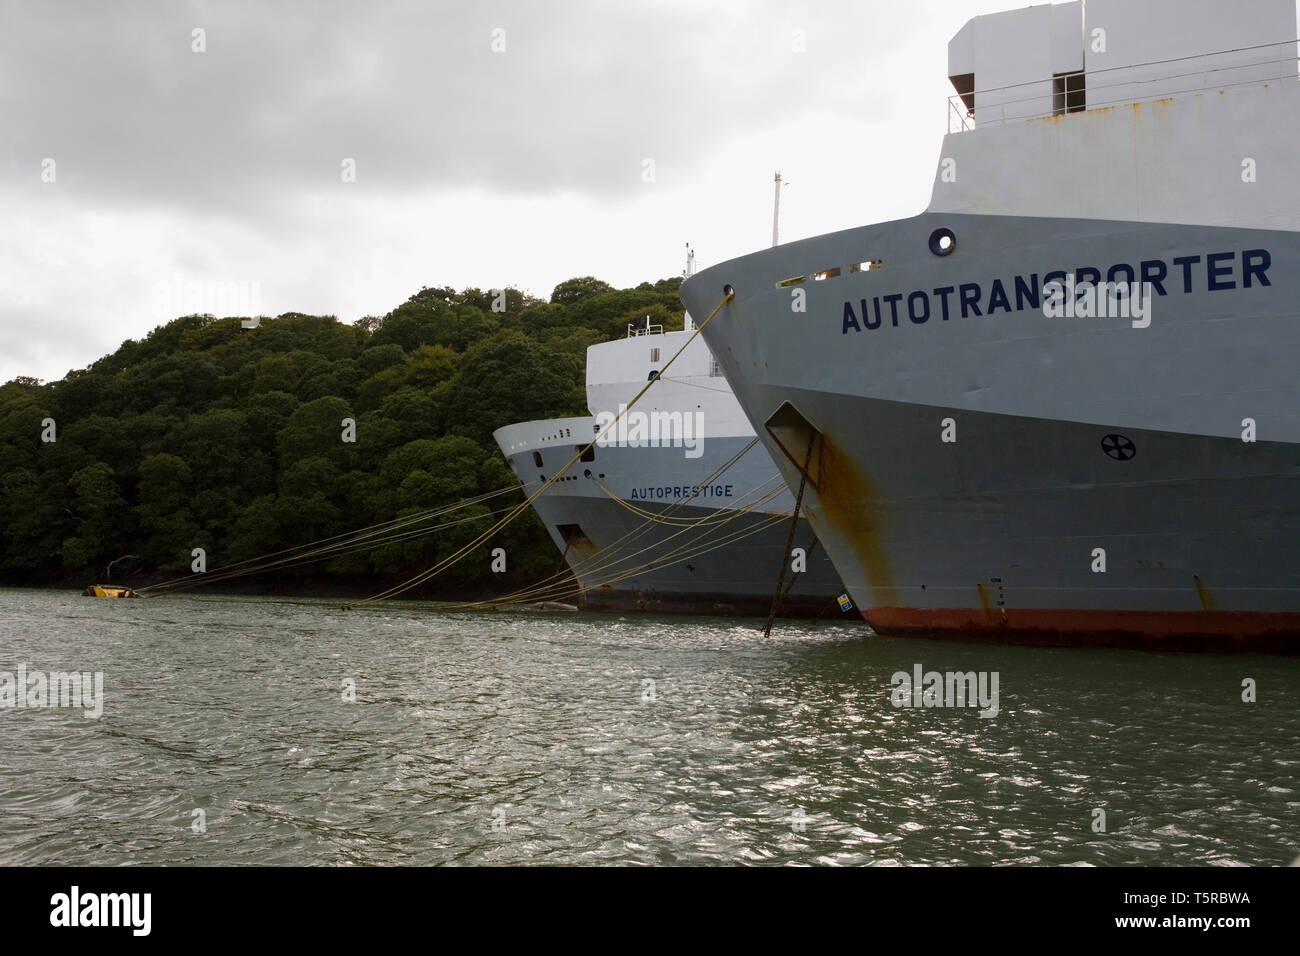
411,91
225,165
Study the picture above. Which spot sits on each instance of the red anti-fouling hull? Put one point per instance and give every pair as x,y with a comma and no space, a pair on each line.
1267,632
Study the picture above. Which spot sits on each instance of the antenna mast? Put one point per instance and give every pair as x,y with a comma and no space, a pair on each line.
776,210
688,323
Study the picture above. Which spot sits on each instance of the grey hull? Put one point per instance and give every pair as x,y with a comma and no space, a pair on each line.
1069,440
626,561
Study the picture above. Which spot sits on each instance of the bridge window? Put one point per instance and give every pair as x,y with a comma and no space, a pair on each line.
1068,93
964,84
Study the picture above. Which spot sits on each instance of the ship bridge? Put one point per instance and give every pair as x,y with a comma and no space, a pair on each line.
619,369
1124,110
1062,58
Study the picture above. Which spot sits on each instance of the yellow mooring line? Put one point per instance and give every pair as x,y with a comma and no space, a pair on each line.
678,556
604,565
601,560
349,542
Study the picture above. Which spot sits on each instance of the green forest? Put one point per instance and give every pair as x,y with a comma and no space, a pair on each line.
205,433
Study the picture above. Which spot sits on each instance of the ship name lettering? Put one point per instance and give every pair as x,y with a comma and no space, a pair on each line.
1209,272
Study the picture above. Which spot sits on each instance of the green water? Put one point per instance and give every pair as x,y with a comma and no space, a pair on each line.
511,738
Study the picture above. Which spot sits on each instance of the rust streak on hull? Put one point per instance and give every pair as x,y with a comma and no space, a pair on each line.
846,499
991,616
1204,595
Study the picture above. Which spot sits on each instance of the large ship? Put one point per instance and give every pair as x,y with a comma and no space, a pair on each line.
999,446
678,509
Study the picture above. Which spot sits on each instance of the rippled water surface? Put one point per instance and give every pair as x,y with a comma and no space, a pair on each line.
537,738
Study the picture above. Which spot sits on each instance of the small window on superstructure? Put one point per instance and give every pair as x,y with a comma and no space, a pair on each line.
1069,94
715,369
537,459
654,355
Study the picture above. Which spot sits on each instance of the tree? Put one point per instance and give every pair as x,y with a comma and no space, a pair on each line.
571,342
170,532
511,378
102,513
315,428
288,372
308,475
419,322
206,433
214,444
379,357
185,380
576,290
416,413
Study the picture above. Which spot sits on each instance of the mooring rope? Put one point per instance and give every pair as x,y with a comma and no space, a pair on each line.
604,558
349,542
610,561
684,553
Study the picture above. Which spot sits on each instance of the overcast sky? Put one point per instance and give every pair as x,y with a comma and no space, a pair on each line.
596,139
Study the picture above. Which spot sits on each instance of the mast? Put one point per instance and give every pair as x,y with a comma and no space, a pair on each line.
688,322
776,209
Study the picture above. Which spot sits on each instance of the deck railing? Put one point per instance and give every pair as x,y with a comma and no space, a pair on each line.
1132,83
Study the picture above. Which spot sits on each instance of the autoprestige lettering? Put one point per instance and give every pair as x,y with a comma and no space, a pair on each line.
674,492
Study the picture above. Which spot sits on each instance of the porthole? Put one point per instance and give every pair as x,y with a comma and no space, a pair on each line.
943,242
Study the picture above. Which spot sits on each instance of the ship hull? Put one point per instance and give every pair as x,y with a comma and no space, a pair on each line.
998,474
737,579
633,545
1027,532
